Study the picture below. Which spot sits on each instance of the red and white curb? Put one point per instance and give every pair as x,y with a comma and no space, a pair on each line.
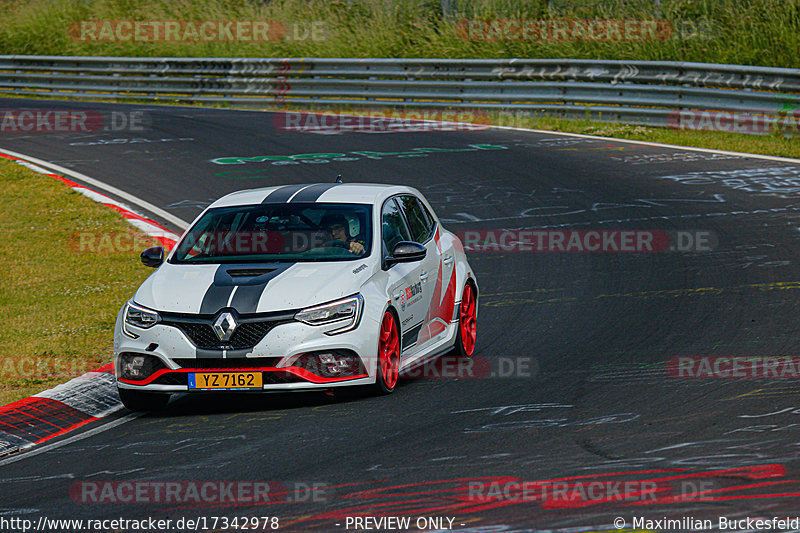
84,399
59,410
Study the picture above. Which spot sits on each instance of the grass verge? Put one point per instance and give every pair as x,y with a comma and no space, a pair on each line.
748,32
60,295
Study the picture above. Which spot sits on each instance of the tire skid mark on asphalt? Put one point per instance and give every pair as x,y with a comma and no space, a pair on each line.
643,295
737,213
584,518
478,498
780,392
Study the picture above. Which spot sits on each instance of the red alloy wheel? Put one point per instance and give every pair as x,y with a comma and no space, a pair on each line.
388,353
468,321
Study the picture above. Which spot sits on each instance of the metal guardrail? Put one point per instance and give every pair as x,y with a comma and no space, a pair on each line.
636,92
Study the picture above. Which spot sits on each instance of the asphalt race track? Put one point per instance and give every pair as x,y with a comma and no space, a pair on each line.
573,398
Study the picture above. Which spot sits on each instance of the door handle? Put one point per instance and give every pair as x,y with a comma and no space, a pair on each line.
423,277
448,259
398,295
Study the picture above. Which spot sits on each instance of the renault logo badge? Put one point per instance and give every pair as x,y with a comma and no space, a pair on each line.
224,326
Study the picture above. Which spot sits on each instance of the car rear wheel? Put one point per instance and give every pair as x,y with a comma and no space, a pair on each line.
143,401
388,355
467,323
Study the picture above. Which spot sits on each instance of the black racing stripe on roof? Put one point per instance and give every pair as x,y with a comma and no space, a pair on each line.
312,194
282,194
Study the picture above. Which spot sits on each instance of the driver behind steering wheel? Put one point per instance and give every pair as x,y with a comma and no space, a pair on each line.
337,226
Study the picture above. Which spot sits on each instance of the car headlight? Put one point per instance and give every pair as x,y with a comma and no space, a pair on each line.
344,314
141,317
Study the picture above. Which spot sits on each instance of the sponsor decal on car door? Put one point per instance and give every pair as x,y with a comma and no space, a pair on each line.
442,292
405,288
407,295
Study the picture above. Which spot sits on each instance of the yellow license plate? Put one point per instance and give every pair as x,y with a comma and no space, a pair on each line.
225,380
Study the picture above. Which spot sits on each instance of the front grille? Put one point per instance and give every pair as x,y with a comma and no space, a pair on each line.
206,363
202,334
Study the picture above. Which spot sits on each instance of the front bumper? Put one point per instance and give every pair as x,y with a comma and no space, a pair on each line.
277,357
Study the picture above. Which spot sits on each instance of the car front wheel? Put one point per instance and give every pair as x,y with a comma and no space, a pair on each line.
467,323
388,355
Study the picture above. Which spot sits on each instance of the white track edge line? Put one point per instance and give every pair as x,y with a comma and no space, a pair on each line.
660,145
182,224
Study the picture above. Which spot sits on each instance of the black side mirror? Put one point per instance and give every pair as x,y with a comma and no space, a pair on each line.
153,257
406,252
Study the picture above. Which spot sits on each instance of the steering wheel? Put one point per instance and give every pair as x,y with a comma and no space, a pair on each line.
337,243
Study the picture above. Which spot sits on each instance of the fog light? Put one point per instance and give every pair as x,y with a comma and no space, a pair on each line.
332,364
133,367
329,364
136,366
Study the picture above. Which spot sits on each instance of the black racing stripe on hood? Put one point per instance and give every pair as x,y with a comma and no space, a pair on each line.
282,194
247,296
312,194
217,295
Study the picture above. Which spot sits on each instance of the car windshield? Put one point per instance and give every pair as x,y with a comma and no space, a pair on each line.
278,232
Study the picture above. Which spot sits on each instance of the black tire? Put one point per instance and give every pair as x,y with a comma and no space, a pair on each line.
143,401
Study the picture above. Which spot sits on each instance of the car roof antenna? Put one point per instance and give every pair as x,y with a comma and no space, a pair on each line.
339,178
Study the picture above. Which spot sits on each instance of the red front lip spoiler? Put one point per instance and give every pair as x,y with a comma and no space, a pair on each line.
295,370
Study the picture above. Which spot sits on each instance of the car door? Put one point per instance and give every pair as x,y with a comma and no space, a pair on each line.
434,273
405,288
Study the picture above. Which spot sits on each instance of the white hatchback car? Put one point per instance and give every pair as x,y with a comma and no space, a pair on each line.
297,287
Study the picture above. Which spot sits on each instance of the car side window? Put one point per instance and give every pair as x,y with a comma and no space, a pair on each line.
393,227
421,226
